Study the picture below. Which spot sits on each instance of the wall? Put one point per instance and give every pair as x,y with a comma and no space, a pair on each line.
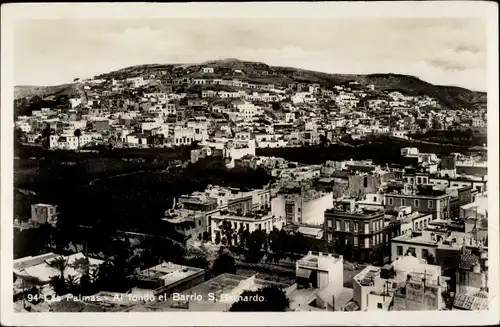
406,246
360,185
313,211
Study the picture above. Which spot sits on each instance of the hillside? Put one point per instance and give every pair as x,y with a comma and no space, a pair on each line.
29,91
449,96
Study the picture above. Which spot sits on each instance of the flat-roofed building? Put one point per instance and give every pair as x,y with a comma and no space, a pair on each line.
169,277
406,284
359,230
424,200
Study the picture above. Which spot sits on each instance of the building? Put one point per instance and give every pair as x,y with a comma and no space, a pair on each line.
69,141
191,224
319,284
44,213
318,270
472,281
357,233
167,277
183,135
437,244
215,295
199,126
302,207
406,284
227,224
424,200
137,139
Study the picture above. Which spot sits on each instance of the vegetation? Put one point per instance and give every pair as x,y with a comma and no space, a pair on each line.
457,137
382,150
134,201
25,106
225,263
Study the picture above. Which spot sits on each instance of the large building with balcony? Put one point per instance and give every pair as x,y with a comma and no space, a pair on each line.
357,233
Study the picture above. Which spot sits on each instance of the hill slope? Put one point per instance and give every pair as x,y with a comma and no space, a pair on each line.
449,96
29,91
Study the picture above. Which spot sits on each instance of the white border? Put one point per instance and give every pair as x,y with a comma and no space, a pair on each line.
445,9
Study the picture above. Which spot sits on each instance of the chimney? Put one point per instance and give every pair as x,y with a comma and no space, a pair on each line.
333,302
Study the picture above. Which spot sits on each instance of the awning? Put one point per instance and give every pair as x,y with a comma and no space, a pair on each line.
304,273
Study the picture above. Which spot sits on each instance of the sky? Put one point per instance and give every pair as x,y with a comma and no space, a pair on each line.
440,51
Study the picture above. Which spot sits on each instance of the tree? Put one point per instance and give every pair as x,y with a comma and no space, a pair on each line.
323,140
78,134
254,245
277,241
269,298
225,263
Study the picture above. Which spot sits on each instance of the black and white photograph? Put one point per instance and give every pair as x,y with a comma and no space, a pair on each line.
225,160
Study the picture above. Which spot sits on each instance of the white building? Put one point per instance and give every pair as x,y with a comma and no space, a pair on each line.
407,284
183,135
329,269
69,141
199,125
44,213
251,222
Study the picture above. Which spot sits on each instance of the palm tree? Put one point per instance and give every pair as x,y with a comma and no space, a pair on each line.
78,133
60,264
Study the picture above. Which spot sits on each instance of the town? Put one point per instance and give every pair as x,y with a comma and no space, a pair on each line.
346,234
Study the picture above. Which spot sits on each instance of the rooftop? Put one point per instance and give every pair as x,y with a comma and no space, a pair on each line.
43,271
387,279
169,272
229,285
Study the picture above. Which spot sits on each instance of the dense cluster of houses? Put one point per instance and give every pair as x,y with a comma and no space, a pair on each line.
172,108
418,231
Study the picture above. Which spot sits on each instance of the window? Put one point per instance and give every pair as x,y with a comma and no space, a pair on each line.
374,199
248,226
346,227
367,228
367,242
416,203
403,202
386,238
380,224
374,240
419,180
356,226
355,241
330,237
365,182
379,305
425,253
411,180
390,201
337,225
330,223
399,250
374,226
412,250
429,204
